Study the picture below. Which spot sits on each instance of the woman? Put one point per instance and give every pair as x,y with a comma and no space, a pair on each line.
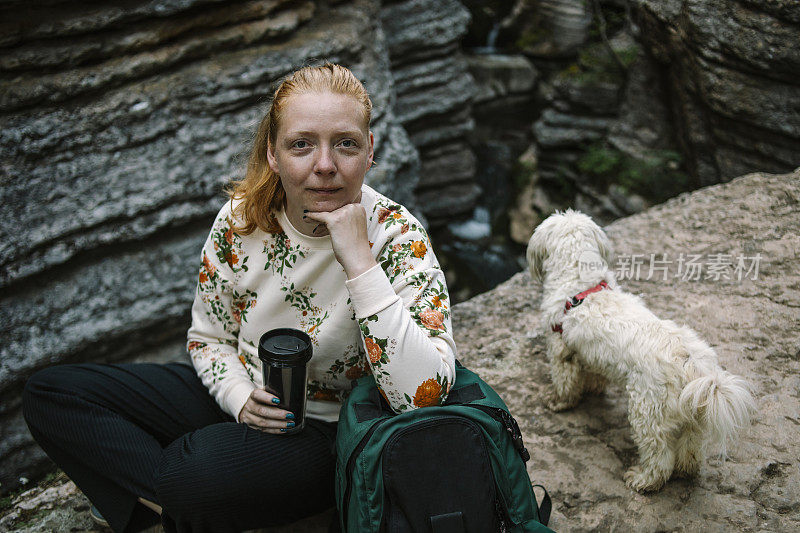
302,243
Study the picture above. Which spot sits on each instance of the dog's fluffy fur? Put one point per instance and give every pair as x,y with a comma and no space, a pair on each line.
680,400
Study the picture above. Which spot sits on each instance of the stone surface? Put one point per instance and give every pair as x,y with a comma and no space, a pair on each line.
549,28
732,75
434,96
497,76
581,454
643,122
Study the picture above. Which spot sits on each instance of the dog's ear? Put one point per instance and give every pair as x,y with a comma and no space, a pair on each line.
603,244
536,254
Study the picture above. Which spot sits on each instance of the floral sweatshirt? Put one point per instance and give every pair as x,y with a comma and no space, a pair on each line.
393,320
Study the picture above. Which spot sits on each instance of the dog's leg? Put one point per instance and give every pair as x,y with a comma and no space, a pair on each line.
688,452
566,374
593,383
652,437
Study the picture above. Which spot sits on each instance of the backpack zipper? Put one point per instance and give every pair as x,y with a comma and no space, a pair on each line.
351,463
510,424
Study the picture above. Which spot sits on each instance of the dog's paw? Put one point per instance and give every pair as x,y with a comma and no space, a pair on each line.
686,470
594,384
642,480
559,405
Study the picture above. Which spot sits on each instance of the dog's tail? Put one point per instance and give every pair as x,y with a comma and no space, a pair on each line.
719,401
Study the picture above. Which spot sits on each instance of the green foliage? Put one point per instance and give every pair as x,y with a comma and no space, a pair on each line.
533,36
657,176
522,174
31,519
595,64
615,21
5,501
561,188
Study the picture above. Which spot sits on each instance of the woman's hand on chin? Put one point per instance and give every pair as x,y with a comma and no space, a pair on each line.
347,227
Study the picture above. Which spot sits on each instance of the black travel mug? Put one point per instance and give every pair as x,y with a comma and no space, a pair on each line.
284,353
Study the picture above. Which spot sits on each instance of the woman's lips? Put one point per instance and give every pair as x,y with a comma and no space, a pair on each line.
326,192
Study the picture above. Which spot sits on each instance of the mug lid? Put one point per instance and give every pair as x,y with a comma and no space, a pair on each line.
285,347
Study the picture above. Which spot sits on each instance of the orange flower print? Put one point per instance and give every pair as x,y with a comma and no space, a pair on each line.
231,258
428,393
229,236
404,229
241,358
397,216
432,319
208,266
239,308
373,350
354,372
397,247
437,302
195,345
325,395
418,248
203,277
383,214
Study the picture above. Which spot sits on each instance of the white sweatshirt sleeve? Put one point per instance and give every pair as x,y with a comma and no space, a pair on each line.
402,308
212,339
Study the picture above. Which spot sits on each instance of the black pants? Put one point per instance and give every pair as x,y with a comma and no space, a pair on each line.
123,431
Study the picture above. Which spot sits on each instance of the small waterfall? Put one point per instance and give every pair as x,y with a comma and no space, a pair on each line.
491,41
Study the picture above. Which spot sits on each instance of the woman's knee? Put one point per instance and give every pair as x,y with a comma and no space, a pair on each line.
39,388
44,393
192,475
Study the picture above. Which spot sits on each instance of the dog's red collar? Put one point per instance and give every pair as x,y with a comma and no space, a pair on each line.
578,300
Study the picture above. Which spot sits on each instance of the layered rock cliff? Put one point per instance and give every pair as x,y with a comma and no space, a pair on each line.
640,100
730,72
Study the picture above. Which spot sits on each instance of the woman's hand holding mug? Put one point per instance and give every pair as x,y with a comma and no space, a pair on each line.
260,412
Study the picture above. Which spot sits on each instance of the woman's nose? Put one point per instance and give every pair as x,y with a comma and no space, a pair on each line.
325,163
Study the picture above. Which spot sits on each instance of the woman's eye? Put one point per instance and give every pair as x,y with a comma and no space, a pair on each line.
300,144
349,143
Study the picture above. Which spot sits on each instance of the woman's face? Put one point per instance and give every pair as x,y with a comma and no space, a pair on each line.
323,149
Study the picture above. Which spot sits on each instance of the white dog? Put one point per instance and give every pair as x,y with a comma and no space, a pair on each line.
680,400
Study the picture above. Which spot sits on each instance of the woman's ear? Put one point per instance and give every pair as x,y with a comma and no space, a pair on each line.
371,155
271,160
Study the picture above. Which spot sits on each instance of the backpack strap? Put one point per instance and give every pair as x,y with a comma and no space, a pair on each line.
467,394
375,407
546,507
447,523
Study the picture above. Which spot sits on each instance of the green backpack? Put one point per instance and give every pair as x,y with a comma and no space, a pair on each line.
459,467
